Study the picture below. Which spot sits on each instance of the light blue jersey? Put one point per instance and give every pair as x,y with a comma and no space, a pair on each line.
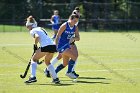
64,40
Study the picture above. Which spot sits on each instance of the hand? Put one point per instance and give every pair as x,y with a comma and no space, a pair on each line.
72,40
35,47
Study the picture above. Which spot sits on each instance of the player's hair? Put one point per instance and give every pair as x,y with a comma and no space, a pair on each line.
56,11
72,16
77,8
31,19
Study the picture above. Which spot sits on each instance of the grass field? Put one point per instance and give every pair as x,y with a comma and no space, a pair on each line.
108,63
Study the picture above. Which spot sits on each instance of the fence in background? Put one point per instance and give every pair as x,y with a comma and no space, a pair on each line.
115,16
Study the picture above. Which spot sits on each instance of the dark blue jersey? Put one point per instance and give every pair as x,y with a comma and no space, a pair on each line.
56,19
66,35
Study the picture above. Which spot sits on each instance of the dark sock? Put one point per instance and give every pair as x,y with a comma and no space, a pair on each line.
70,65
59,67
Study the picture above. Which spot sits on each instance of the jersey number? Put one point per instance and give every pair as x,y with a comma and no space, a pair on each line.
69,36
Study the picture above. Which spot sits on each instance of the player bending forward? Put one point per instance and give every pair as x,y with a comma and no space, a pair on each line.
47,50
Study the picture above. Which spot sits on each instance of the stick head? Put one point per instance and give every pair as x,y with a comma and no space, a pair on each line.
22,76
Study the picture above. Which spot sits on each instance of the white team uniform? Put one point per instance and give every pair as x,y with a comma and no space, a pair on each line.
44,39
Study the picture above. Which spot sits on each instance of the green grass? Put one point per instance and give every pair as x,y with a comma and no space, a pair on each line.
11,28
108,63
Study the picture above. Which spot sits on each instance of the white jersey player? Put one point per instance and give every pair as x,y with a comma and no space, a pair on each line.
47,49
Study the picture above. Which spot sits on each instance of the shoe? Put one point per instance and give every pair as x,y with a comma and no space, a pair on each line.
56,81
71,75
47,73
75,73
31,80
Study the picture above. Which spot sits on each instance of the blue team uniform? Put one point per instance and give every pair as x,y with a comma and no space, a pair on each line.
63,42
56,20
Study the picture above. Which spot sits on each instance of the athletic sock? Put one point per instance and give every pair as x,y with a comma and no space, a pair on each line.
70,65
54,61
59,67
52,71
73,69
33,68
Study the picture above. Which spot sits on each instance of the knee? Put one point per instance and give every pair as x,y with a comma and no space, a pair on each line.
59,57
47,63
65,64
34,59
74,57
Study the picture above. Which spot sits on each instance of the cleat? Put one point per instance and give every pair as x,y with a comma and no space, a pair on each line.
31,80
56,81
75,74
47,73
71,75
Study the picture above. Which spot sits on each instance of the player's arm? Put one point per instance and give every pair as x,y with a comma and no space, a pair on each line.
51,20
36,39
60,31
60,21
35,36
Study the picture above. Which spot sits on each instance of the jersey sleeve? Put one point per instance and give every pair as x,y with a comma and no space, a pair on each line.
33,33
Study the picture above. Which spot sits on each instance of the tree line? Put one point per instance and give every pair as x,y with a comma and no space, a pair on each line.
90,9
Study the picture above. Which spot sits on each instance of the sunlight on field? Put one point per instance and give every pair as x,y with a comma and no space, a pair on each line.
108,63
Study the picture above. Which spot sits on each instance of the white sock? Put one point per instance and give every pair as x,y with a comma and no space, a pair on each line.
33,68
73,69
54,61
52,71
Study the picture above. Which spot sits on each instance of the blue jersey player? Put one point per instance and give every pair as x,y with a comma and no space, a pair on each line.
55,20
67,33
72,46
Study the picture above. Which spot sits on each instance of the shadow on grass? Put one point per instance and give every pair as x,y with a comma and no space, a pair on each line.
89,80
80,80
100,78
51,84
86,80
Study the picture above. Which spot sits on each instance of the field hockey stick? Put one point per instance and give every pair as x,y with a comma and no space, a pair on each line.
63,47
57,50
26,71
28,66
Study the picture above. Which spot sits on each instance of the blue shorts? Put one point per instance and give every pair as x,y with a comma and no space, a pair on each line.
62,48
55,27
